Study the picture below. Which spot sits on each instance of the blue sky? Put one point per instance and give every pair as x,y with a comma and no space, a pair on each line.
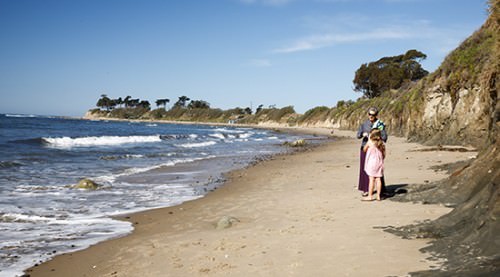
57,57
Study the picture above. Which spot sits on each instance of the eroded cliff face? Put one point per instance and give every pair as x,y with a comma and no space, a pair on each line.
460,98
457,104
466,120
463,117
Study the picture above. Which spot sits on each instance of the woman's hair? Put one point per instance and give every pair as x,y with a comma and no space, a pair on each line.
376,137
373,110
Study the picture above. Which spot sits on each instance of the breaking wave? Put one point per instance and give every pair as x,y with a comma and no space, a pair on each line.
21,115
197,144
68,142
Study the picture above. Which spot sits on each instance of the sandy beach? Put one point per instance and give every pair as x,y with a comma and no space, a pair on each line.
294,215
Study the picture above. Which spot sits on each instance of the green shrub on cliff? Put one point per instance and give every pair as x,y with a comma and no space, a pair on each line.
158,114
128,113
315,114
464,65
284,115
278,114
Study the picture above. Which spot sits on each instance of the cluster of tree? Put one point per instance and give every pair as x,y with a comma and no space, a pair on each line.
109,104
162,102
389,73
183,102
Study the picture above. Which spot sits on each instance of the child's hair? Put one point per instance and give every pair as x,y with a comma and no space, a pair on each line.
376,137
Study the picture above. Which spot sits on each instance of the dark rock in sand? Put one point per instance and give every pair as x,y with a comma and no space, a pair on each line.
297,143
226,222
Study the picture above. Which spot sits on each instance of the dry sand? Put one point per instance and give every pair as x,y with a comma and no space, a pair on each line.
297,215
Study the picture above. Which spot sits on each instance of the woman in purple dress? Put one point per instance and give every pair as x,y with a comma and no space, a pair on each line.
364,130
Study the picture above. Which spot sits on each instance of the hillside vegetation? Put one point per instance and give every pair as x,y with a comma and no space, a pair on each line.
279,116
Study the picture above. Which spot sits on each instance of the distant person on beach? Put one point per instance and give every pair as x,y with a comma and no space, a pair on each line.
374,163
364,130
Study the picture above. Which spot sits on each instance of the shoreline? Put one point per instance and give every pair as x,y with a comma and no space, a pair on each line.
263,125
265,213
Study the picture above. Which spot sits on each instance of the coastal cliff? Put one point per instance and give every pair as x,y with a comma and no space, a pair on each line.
456,104
461,107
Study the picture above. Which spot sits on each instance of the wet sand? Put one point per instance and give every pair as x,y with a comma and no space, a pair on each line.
293,215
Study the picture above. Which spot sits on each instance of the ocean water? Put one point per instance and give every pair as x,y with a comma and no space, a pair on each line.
138,165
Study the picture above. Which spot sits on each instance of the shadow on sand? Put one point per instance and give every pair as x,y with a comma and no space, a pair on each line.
395,189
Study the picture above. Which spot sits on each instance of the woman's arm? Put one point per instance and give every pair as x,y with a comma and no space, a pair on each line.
360,131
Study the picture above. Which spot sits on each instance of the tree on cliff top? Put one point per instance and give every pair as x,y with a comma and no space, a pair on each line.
182,102
105,102
162,102
389,73
198,104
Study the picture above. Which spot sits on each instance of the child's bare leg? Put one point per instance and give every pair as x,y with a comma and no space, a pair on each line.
379,187
370,189
371,185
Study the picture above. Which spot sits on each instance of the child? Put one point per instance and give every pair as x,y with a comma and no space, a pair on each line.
374,164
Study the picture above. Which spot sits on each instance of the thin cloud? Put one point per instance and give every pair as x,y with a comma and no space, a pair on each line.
332,31
403,1
259,63
387,1
327,40
266,2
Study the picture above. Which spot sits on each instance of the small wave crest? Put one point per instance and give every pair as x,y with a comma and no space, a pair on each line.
21,115
225,130
9,164
197,144
169,137
137,156
32,141
219,135
23,218
233,135
68,142
119,157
